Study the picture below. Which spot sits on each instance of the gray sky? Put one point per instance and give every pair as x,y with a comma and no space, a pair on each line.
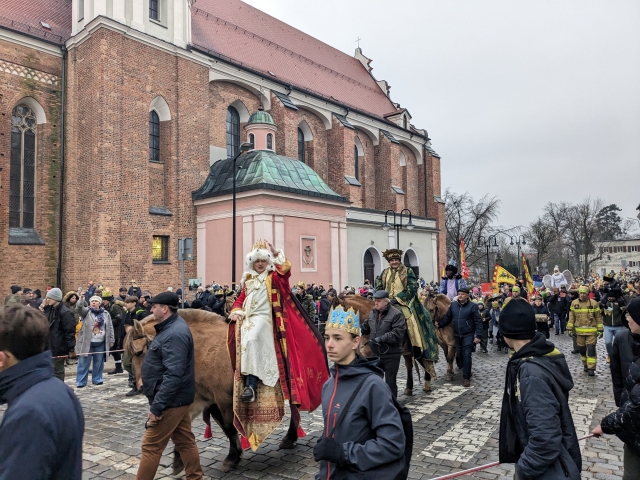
533,101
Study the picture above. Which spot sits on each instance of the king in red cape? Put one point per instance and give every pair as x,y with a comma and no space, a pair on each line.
275,349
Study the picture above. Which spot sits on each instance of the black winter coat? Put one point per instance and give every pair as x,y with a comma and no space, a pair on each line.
537,432
389,327
168,369
624,350
466,319
62,329
625,422
324,310
371,432
41,431
558,305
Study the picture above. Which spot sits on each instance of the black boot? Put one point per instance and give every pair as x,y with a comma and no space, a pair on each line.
248,395
116,370
134,391
592,372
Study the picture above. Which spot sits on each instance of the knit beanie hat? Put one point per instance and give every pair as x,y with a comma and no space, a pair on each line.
516,289
55,294
15,289
634,310
495,304
518,320
96,298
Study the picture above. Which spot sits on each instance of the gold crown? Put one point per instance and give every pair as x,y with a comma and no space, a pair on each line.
260,244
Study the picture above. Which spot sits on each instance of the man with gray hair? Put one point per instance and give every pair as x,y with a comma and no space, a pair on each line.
62,330
386,327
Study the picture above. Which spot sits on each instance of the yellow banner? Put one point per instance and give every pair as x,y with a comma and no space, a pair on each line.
501,275
527,276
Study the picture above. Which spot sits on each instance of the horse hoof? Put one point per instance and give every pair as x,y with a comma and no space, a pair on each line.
408,392
426,387
286,444
229,465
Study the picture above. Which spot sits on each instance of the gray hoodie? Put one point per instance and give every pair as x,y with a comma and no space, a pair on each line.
371,432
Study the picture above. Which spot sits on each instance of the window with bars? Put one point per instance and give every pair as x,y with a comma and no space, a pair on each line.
154,136
22,174
269,141
160,248
233,132
356,167
154,9
300,145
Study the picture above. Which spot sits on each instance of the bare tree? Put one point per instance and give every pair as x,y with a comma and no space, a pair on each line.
541,235
467,219
581,232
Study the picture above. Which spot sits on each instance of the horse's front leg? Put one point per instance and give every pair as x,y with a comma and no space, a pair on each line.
408,362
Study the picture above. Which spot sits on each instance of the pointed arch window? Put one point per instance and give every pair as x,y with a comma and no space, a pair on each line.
233,132
154,136
300,145
22,175
355,162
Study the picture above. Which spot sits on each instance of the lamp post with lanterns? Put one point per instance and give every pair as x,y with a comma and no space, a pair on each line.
386,226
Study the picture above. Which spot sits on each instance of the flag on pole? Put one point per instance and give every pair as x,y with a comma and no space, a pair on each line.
442,275
527,276
464,271
502,275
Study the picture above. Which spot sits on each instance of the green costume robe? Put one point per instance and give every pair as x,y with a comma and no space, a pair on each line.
402,286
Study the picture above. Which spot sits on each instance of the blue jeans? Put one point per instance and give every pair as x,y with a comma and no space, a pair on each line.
463,354
559,322
84,362
609,333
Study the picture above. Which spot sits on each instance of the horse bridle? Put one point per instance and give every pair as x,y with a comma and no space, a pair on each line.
145,347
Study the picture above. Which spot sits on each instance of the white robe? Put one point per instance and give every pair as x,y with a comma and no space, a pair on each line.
257,350
557,280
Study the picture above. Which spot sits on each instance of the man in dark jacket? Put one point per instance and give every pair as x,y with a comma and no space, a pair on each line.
169,384
62,330
386,327
537,432
467,330
368,439
625,422
41,431
325,306
558,306
115,307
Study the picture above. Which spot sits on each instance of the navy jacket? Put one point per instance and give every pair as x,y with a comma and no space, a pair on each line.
41,432
537,432
466,319
371,432
168,373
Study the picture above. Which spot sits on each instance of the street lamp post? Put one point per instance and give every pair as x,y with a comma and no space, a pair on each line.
486,242
520,240
243,148
397,226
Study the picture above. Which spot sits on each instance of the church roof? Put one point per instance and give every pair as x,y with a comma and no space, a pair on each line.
263,169
240,33
26,17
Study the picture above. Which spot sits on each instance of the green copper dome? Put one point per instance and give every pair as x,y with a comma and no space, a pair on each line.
261,117
263,169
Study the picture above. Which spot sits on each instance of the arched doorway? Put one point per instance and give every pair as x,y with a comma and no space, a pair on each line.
371,264
410,259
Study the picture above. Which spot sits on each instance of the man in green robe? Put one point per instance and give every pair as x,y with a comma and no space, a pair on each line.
402,285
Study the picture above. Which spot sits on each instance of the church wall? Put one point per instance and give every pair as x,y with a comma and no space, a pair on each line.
367,171
110,181
387,172
32,266
221,96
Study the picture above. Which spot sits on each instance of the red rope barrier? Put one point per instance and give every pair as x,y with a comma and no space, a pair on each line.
482,467
90,353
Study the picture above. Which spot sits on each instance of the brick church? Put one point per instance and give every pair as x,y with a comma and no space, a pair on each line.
120,123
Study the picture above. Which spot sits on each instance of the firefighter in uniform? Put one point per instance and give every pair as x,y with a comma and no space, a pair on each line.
585,323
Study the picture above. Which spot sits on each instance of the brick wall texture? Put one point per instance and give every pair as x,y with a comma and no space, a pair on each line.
110,182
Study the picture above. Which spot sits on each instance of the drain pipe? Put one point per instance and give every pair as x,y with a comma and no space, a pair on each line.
62,139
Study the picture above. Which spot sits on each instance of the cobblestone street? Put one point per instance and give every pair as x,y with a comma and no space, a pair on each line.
455,428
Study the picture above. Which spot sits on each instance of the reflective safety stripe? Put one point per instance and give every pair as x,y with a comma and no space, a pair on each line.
591,361
585,330
569,326
585,310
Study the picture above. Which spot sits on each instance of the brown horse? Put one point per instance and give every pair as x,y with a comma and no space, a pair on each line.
437,305
213,375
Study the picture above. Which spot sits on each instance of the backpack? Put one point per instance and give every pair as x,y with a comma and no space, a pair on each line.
407,427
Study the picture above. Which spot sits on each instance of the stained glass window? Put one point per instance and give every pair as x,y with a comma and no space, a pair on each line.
154,136
160,249
233,132
22,174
